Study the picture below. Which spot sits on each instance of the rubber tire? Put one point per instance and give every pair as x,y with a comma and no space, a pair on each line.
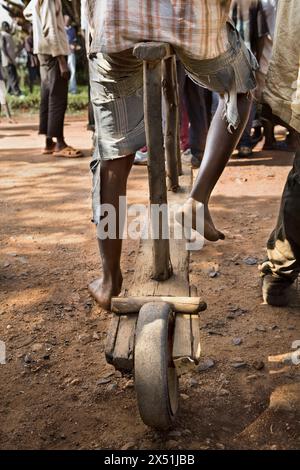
156,381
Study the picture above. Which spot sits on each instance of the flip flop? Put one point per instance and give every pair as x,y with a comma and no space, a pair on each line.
68,152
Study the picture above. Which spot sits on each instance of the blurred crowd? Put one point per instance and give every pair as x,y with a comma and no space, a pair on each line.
17,58
255,21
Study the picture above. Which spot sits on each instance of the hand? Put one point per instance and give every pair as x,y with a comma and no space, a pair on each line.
63,67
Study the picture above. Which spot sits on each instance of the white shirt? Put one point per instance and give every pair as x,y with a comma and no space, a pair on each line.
49,36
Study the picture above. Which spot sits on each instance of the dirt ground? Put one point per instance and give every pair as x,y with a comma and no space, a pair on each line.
53,395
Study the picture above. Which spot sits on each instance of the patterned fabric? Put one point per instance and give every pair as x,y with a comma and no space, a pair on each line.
117,96
196,26
282,91
49,36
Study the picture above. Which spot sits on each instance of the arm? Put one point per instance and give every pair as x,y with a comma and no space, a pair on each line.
63,67
53,31
5,51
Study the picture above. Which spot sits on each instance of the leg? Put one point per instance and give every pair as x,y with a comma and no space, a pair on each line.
8,113
245,144
13,80
196,107
44,103
58,100
283,264
114,174
119,132
219,147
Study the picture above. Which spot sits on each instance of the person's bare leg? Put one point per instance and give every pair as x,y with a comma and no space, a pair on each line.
219,147
50,144
114,174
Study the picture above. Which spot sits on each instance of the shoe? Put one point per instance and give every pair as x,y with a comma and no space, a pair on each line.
276,290
186,156
196,161
141,158
245,152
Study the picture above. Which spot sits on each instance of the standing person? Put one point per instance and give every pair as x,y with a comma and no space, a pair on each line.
197,102
213,54
85,33
72,39
32,60
250,20
51,44
282,94
8,59
3,101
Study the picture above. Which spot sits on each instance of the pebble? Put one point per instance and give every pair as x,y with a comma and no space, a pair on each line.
36,347
171,444
5,265
128,446
236,312
112,387
238,365
68,308
237,341
258,365
205,365
27,359
129,384
75,382
250,261
251,377
110,373
220,446
260,328
85,338
223,392
103,381
213,274
184,396
95,335
193,382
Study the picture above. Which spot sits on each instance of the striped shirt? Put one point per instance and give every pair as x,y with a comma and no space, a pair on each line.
196,26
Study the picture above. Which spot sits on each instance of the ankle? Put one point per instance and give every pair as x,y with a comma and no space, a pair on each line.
112,277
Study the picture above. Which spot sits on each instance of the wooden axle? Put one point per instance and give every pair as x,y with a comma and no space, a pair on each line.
125,305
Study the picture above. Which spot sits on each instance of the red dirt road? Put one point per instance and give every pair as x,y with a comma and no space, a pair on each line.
52,395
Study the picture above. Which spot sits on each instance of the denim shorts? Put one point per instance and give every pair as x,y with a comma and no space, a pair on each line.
117,95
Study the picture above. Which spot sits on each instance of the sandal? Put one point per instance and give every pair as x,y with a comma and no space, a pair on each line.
68,152
48,151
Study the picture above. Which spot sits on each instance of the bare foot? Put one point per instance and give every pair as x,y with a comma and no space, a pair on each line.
188,214
103,292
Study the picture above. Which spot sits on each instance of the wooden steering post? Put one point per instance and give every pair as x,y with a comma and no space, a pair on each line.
159,72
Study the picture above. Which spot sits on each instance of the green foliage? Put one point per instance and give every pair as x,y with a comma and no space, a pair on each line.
31,101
